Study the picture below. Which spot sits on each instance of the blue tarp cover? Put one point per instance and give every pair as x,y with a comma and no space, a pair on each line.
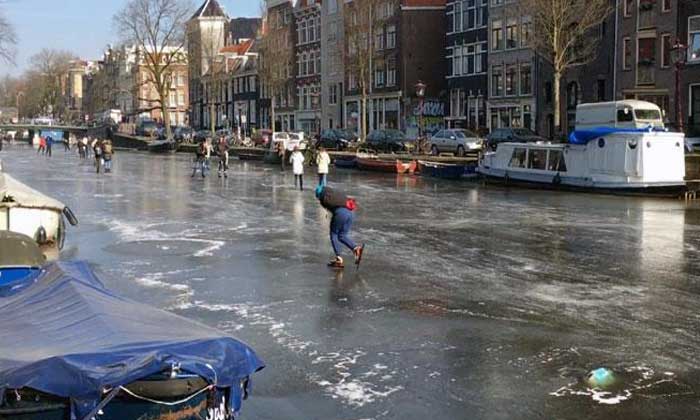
69,336
584,136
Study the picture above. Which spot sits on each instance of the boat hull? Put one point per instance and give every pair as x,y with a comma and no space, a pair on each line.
251,156
162,147
345,163
440,170
406,168
34,405
376,165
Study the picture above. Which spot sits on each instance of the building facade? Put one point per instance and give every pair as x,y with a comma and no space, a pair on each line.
332,68
519,83
467,63
406,48
689,34
307,21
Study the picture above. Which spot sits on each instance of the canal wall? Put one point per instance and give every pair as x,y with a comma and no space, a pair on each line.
126,141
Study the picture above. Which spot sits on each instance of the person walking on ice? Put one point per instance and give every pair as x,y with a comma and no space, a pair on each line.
297,161
341,207
323,160
222,150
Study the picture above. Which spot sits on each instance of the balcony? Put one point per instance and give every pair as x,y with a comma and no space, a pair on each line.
646,73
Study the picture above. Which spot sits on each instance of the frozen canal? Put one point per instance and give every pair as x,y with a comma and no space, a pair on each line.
472,303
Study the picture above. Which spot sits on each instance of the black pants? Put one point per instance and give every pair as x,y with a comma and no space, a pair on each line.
301,181
48,149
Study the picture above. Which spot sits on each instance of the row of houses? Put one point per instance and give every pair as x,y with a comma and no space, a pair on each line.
474,57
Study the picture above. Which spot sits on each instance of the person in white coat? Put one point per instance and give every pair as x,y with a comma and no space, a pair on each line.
297,161
323,160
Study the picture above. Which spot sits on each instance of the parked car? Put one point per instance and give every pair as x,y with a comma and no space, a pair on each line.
146,128
201,135
457,141
337,138
389,141
262,137
280,137
183,134
512,135
296,140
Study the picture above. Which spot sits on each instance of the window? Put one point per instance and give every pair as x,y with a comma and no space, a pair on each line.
458,16
626,53
512,34
496,35
391,36
517,160
511,80
646,51
480,62
526,31
181,99
497,81
333,94
391,71
457,61
548,92
332,6
665,5
694,38
379,76
627,8
601,90
666,50
556,161
624,115
379,40
352,82
537,159
525,79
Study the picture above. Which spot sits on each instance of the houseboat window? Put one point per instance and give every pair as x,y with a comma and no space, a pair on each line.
556,161
518,158
625,115
647,114
537,159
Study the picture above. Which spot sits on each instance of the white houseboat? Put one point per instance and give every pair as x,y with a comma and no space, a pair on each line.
623,154
29,212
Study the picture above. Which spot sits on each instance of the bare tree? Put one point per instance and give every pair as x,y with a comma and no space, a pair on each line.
360,24
8,40
157,28
276,58
563,34
49,72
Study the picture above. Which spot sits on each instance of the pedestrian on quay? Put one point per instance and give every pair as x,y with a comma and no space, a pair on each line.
81,149
49,145
67,143
107,154
97,150
341,207
208,149
297,161
222,151
282,153
323,161
200,157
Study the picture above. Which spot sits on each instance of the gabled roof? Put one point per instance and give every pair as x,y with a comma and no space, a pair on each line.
239,49
210,8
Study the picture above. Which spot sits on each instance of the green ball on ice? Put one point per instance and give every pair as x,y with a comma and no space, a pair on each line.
600,378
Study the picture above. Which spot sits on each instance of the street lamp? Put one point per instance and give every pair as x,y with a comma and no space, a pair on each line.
678,57
420,93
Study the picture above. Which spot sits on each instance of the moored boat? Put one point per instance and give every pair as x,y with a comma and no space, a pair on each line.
376,164
406,167
162,146
66,357
20,258
29,212
618,161
441,170
348,162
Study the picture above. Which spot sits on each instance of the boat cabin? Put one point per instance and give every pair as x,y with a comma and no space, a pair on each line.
629,114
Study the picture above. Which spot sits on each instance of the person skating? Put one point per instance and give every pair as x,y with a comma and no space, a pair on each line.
323,160
341,207
222,150
297,161
97,150
49,145
207,158
42,145
107,154
200,156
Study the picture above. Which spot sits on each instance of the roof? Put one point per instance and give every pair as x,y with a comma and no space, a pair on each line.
210,8
423,3
244,28
239,49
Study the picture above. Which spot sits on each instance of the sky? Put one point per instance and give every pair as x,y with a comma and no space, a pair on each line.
83,27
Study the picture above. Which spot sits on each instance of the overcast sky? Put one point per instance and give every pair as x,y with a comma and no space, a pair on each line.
83,27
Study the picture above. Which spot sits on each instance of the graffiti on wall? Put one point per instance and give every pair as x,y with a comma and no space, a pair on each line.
433,117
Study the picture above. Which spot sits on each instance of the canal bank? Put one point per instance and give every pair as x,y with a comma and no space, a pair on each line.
510,296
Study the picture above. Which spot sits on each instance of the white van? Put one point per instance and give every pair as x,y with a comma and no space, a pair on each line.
619,114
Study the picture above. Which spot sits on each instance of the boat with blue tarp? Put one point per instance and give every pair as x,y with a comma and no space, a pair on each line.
72,349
